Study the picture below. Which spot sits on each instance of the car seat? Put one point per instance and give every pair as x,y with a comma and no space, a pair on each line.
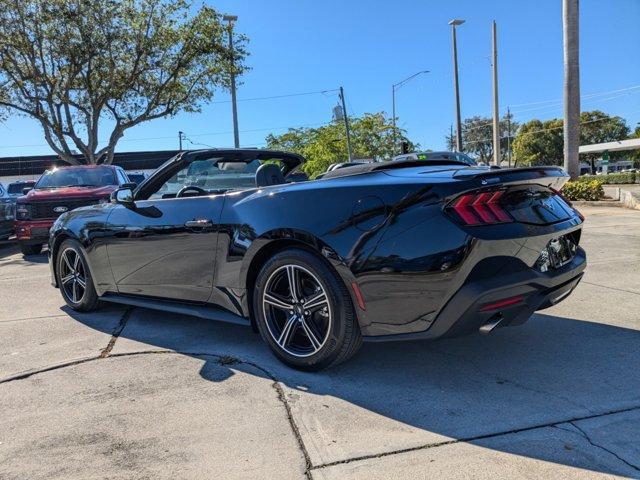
269,174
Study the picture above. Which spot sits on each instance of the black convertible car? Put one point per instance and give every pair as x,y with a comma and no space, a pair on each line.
383,251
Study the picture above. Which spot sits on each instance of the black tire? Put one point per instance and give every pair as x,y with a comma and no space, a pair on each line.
335,325
30,249
87,301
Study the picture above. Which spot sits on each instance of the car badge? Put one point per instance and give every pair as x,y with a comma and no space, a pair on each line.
60,209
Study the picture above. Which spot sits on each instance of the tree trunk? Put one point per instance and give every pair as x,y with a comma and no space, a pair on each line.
570,20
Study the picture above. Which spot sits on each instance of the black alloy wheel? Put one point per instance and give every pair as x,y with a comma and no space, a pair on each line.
74,279
304,311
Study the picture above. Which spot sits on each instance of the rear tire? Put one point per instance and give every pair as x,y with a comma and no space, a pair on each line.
30,249
315,325
74,278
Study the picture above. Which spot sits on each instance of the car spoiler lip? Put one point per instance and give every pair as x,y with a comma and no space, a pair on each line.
550,171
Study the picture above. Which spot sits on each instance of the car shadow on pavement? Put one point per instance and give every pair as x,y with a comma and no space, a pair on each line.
12,250
548,371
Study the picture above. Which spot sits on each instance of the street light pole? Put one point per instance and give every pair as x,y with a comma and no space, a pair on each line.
236,136
394,88
454,23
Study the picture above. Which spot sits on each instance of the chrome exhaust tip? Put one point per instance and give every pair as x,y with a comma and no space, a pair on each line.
490,324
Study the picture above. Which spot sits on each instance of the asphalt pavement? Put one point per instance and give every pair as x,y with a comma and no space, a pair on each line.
134,393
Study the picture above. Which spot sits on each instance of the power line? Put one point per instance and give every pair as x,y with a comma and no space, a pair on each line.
191,135
584,97
287,95
551,128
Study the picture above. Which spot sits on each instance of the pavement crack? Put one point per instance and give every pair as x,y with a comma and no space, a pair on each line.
477,438
116,333
594,444
610,288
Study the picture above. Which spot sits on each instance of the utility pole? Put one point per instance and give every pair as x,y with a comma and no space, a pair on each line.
346,124
236,136
496,110
509,136
456,87
570,29
180,138
393,118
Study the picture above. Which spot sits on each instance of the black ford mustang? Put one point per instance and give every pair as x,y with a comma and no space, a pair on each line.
385,251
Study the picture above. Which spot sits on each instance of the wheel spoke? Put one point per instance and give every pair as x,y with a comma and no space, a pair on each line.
74,294
292,276
317,301
315,343
65,257
277,302
81,282
76,261
67,279
285,335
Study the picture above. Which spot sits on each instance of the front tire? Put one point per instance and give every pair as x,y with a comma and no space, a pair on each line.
74,278
304,312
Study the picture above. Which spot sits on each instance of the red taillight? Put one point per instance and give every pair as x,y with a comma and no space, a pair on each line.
481,208
506,302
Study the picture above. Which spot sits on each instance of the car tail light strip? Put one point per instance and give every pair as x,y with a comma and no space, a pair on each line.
481,208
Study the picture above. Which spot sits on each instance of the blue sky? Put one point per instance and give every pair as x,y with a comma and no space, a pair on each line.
367,45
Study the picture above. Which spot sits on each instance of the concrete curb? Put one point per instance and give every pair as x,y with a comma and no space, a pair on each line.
630,199
620,198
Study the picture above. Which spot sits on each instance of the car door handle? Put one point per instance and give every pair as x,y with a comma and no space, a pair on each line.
198,223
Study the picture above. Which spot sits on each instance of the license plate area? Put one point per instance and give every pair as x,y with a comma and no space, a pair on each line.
558,252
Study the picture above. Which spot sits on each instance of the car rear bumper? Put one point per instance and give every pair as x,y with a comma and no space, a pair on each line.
476,306
33,231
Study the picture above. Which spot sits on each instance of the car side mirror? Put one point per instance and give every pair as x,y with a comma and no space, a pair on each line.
26,190
123,195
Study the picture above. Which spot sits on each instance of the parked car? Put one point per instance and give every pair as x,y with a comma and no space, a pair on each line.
18,188
388,251
436,156
6,213
60,190
8,197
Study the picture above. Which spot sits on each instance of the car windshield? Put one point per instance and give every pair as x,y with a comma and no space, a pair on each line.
77,177
214,176
17,188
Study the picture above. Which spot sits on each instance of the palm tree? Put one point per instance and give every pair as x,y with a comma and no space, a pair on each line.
570,29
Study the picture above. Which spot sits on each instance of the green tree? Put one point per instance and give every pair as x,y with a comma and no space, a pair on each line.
78,65
371,137
635,154
598,127
477,137
541,143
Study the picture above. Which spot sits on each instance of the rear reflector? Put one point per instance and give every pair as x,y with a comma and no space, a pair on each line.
505,302
481,208
358,295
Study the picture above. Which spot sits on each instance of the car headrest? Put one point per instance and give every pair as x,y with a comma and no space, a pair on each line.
269,174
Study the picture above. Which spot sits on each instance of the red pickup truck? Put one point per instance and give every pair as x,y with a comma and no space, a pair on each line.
58,191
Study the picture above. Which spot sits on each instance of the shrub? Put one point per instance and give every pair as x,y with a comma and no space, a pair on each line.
612,178
584,190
